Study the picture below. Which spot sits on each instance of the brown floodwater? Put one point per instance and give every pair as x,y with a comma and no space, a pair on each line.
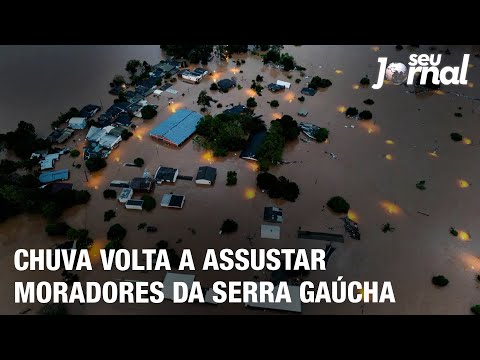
377,166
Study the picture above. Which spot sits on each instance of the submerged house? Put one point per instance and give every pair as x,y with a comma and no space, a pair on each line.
56,175
166,174
273,214
226,84
206,175
176,129
142,185
60,136
173,201
78,123
275,87
134,204
237,110
308,91
89,111
254,142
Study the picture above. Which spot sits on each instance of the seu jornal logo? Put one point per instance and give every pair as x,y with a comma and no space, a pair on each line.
423,64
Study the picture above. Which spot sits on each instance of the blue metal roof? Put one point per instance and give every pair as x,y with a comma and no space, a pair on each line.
49,176
178,127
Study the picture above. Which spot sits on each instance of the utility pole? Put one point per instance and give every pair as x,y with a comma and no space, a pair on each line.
86,177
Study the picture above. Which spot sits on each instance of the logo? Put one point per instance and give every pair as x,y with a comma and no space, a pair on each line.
423,64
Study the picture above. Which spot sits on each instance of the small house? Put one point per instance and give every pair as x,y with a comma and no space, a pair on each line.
254,142
275,87
142,185
173,201
226,84
171,278
273,214
51,176
48,161
125,195
206,175
134,204
285,84
166,174
236,110
270,232
89,111
302,112
120,184
308,91
77,123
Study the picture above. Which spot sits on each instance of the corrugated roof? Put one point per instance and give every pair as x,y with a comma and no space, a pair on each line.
50,176
178,127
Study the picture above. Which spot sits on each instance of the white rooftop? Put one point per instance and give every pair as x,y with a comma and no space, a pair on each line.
171,278
270,232
284,83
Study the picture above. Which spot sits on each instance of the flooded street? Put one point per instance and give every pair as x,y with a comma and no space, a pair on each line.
377,166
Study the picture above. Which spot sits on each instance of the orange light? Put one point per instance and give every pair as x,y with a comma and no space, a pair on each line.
463,183
471,66
276,116
252,165
463,235
389,157
208,157
466,141
341,109
386,82
470,261
249,193
471,85
439,92
370,127
390,207
117,159
389,142
355,86
251,92
289,96
94,250
352,215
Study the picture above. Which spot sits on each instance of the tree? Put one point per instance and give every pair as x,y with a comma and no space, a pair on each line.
95,163
74,153
149,203
116,233
126,134
148,112
118,80
365,81
365,115
214,86
51,210
109,215
321,135
351,112
139,162
231,178
251,103
266,181
475,309
113,245
338,204
57,229
203,99
141,226
273,56
229,226
259,78
162,244
132,67
287,61
53,309
369,102
301,98
453,231
440,281
7,167
173,258
387,228
421,185
456,137
318,82
274,103
478,277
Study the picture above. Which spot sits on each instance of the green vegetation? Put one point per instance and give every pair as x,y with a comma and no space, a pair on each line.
338,204
226,132
440,281
109,215
162,244
251,103
239,87
149,202
74,153
148,112
214,86
57,229
231,178
365,115
453,231
278,187
478,277
298,81
23,141
126,134
369,102
115,235
158,82
118,80
141,226
109,194
259,78
95,163
387,228
229,226
321,135
274,56
274,103
351,112
204,100
456,137
475,309
63,118
457,114
53,309
365,81
194,53
318,82
421,185
271,150
139,162
257,87
81,235
301,98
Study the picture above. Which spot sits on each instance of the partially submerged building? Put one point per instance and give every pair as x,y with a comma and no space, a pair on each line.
134,204
56,175
142,185
273,214
172,278
194,76
308,91
254,142
237,110
59,136
166,174
176,129
270,232
78,123
125,195
226,84
48,161
89,111
206,175
173,201
275,87
285,84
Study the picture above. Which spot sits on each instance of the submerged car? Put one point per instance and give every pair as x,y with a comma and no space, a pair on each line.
151,228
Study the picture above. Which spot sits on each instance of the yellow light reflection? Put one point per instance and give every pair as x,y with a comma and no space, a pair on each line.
433,153
471,66
341,109
463,183
276,116
252,165
472,262
289,96
94,181
94,250
175,106
338,72
463,235
386,82
471,85
439,92
208,157
251,92
390,207
355,86
249,193
370,127
375,48
117,159
389,157
466,141
352,215
389,142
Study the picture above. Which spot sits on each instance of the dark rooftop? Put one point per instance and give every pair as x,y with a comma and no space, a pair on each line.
176,201
308,91
226,84
207,173
275,87
236,110
165,174
253,144
142,184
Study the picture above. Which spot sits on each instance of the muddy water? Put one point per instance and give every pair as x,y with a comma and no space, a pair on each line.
379,190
